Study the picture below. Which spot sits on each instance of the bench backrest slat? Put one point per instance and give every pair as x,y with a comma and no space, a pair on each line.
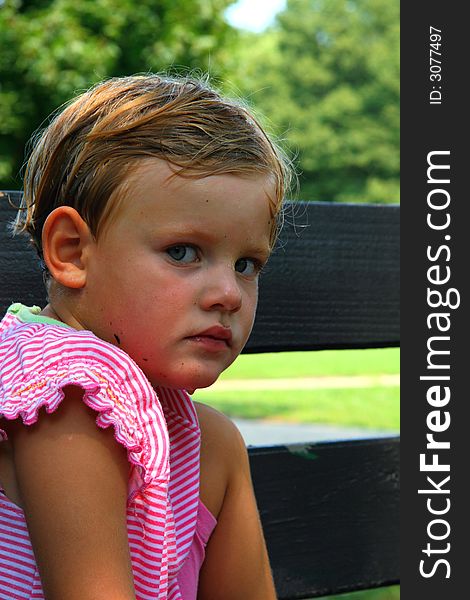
334,281
330,514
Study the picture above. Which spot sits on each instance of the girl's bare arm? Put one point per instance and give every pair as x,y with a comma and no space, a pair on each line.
236,564
72,479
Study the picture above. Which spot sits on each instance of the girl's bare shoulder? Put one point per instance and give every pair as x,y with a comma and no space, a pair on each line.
236,563
223,453
217,428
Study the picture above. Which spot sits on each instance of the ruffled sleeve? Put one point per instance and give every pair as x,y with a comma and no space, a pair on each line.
38,361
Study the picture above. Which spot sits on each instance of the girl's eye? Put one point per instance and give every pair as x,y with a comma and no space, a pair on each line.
248,267
182,253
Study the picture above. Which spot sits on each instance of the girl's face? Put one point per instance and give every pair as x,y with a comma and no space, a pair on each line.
173,279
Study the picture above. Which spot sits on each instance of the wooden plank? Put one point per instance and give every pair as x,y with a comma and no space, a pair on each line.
333,282
20,275
330,514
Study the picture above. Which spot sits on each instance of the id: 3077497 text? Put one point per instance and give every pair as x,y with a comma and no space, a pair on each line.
435,65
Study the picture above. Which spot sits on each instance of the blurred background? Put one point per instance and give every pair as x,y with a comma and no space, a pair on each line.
323,78
324,74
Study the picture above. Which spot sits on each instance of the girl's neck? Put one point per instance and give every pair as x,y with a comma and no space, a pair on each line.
61,314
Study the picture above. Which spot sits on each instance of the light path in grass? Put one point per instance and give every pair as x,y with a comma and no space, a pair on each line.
304,383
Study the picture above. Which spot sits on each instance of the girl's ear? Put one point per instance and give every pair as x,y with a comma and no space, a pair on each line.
66,242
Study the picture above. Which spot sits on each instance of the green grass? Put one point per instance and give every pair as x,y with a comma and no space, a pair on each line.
370,407
315,364
374,407
388,593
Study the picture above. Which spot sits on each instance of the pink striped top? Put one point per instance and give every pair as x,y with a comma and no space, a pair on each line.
159,429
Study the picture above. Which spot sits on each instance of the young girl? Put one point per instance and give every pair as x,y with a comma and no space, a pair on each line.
153,204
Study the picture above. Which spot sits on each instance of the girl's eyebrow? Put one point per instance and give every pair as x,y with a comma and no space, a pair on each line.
264,252
181,231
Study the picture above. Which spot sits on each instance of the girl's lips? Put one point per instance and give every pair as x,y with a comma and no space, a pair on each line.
209,343
216,337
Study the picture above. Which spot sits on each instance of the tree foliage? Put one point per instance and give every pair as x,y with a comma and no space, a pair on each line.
52,49
325,77
328,78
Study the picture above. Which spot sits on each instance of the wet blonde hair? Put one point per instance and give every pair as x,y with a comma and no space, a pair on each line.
88,150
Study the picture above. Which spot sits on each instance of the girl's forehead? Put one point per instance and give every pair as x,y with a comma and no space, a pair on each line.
158,184
156,199
171,175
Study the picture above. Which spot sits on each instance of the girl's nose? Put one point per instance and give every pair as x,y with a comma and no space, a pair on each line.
222,291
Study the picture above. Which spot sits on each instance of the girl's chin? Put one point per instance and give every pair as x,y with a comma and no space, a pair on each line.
192,389
190,381
199,385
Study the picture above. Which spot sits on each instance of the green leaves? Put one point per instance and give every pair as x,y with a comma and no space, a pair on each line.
324,78
50,50
329,80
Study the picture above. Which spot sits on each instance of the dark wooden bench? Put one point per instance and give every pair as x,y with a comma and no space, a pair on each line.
330,510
